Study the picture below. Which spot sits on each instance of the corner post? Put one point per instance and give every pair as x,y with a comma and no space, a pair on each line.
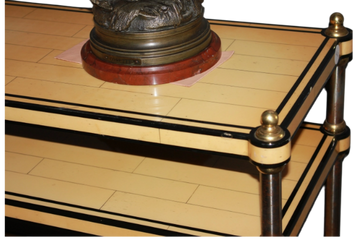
269,151
334,123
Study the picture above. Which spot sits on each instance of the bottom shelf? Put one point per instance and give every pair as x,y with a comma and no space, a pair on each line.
79,184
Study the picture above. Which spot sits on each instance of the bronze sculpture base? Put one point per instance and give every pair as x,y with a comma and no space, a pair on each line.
152,75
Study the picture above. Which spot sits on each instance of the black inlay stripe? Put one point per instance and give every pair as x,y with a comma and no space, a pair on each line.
305,93
6,102
67,131
349,56
133,121
305,172
301,77
102,220
316,126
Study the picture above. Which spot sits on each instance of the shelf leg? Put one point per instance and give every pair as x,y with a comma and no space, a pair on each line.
334,123
270,191
333,199
335,88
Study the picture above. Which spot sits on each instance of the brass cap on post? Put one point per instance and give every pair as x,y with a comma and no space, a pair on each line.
334,128
269,130
336,26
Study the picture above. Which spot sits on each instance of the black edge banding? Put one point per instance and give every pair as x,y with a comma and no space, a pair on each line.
85,134
305,93
270,165
128,120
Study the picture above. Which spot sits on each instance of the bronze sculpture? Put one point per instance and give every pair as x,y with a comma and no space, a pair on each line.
145,15
149,40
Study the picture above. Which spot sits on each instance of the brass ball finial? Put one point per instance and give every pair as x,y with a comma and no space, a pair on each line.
269,131
336,26
337,19
269,118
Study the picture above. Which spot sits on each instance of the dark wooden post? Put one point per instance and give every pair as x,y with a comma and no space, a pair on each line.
270,191
334,123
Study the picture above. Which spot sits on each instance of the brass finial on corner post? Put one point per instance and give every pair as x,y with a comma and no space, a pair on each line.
269,131
269,150
336,27
335,87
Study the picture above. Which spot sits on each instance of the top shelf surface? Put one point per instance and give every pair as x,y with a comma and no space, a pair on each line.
273,67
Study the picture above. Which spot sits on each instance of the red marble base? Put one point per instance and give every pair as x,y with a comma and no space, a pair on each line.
151,75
